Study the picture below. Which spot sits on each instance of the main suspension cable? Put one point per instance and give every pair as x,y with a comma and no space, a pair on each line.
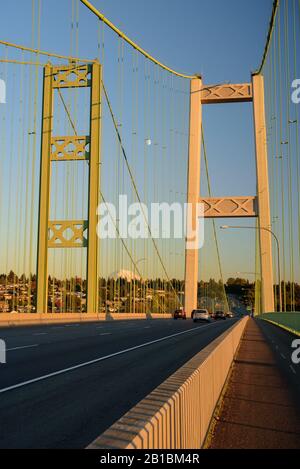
130,42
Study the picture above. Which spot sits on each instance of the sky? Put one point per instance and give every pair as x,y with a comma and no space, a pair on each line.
221,40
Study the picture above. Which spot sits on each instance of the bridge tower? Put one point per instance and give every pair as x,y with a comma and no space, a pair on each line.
217,207
51,234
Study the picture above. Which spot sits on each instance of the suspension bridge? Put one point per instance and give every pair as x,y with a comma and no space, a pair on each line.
84,128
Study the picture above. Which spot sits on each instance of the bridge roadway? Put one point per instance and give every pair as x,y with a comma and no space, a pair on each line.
52,397
280,342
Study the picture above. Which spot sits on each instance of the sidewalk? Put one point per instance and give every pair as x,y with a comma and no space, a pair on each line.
257,409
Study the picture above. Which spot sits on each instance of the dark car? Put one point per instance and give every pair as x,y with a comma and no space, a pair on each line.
179,314
230,314
219,315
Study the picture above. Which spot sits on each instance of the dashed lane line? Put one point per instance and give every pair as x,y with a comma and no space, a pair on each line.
22,347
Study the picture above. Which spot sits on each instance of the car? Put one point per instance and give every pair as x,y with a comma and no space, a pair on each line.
179,314
219,315
230,314
201,315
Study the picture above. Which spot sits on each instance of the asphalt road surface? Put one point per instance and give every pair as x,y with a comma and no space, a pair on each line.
63,385
280,341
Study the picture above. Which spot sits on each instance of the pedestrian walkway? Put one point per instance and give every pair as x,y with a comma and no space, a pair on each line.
258,410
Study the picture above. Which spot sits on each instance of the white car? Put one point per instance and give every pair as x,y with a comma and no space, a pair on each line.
201,315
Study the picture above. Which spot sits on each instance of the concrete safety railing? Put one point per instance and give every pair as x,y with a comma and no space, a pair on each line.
177,414
286,320
23,319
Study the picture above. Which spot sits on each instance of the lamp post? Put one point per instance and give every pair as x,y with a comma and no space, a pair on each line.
225,227
135,264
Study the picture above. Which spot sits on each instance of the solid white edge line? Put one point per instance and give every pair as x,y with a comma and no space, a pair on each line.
97,360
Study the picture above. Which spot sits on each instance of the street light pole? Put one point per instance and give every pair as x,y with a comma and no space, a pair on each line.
225,227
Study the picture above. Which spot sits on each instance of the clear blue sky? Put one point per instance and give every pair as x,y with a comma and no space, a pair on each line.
221,40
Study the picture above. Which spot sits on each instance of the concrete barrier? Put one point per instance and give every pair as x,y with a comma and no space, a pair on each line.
23,319
177,414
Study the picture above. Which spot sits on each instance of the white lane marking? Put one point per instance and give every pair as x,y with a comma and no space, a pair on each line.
100,359
40,333
106,333
24,346
147,327
283,356
293,369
